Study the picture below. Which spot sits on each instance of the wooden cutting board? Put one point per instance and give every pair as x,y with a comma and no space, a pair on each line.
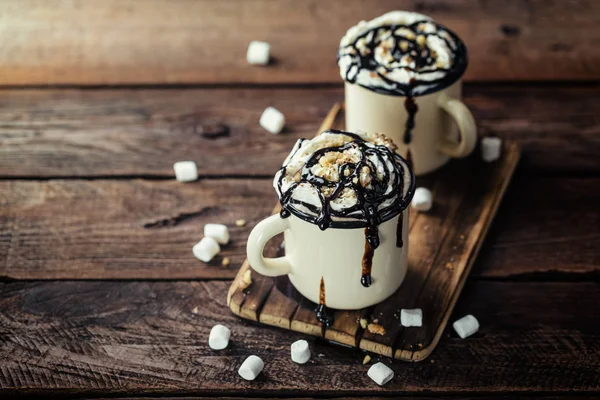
443,245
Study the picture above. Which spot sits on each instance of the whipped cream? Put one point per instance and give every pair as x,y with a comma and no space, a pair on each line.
337,176
401,53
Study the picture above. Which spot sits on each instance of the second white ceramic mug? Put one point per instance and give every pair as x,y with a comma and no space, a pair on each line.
334,255
444,127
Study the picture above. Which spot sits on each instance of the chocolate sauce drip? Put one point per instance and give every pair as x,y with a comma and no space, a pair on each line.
409,161
422,56
399,228
322,313
411,108
367,263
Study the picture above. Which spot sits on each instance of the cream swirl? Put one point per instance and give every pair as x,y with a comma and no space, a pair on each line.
344,179
401,53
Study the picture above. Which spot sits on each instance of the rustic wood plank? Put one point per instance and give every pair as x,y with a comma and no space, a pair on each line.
142,133
142,338
140,41
561,243
103,235
123,229
466,397
278,309
106,133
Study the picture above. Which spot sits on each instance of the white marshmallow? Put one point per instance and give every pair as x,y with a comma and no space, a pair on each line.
185,171
466,326
412,317
491,147
251,367
206,249
218,232
272,120
258,53
300,352
380,373
422,199
219,337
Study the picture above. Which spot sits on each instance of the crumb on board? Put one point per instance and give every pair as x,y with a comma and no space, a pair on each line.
225,261
367,359
376,329
246,280
240,222
449,266
363,323
195,310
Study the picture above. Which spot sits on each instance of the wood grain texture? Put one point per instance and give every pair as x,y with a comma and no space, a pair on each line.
106,133
102,236
150,41
141,338
465,397
123,229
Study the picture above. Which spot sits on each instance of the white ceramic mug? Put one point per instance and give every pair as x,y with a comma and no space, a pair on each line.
444,127
334,255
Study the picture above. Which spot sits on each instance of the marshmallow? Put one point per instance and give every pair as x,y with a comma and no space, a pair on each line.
380,373
412,317
206,249
218,232
219,337
491,147
466,326
300,352
251,367
185,171
258,53
422,199
272,120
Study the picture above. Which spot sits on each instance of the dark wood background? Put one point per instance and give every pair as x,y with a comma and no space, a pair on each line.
98,282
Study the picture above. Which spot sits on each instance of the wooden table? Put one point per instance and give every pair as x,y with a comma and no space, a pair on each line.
99,288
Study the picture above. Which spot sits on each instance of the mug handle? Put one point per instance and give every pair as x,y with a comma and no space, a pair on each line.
466,126
260,235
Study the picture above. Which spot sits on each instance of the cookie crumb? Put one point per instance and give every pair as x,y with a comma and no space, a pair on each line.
195,310
246,280
363,323
376,329
367,359
225,261
240,222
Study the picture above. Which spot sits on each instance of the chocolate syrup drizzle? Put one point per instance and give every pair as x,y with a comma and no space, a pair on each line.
322,313
423,57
